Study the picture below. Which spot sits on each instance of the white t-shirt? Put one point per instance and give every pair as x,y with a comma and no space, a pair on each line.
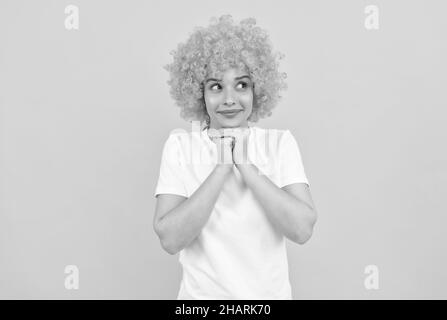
238,254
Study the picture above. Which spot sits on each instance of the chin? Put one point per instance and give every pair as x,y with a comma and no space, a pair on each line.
231,124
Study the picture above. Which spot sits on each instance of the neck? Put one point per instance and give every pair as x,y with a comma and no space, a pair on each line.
242,126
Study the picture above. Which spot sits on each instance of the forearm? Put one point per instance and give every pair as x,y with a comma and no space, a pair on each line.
291,216
180,226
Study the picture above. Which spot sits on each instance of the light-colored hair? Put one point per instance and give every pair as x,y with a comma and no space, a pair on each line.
216,48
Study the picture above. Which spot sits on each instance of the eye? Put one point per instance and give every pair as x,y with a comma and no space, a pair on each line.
213,85
245,84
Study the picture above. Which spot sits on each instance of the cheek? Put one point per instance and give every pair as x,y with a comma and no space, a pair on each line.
214,103
211,100
247,99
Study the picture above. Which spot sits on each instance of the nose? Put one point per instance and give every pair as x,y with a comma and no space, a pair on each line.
229,101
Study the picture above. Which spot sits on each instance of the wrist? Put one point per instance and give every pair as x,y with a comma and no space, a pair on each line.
247,167
223,167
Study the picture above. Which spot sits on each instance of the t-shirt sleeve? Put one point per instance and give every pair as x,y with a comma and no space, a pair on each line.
291,169
171,171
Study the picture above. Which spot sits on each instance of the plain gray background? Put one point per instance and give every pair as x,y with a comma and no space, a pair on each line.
85,114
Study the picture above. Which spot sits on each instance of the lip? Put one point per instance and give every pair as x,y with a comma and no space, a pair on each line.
230,113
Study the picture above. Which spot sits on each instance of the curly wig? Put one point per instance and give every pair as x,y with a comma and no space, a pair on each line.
212,50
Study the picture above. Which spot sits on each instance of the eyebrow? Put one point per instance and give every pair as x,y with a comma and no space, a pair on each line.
237,78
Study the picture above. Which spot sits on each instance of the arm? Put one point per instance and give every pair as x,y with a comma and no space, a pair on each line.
178,227
291,215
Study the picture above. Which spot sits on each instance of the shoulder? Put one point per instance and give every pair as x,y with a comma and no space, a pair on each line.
269,132
182,143
272,135
178,137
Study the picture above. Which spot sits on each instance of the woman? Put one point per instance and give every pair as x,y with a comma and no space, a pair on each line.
229,213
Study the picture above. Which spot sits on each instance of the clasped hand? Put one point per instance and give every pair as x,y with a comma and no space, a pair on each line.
232,144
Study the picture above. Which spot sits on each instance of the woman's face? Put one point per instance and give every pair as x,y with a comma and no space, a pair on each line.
232,92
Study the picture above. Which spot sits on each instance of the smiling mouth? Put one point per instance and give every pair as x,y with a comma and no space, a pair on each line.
230,112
